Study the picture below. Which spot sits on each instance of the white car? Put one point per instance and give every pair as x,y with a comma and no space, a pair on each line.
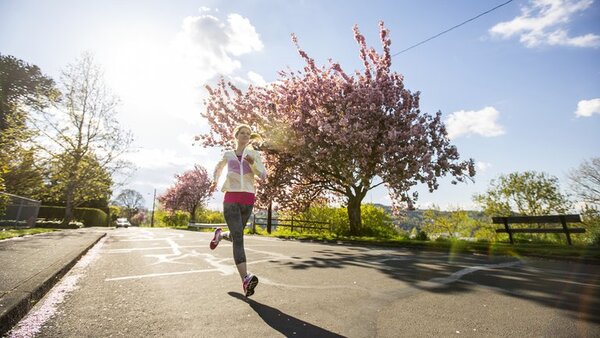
123,222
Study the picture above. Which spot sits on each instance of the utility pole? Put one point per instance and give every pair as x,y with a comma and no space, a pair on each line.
152,218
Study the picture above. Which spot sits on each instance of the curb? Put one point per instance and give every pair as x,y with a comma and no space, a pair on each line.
22,299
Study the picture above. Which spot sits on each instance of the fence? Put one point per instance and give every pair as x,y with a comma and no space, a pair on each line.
292,223
20,211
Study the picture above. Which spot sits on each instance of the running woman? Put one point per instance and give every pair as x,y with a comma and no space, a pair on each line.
243,164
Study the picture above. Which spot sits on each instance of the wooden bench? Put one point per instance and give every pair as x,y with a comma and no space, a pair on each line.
206,225
210,225
549,219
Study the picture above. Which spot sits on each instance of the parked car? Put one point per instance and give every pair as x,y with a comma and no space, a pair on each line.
123,222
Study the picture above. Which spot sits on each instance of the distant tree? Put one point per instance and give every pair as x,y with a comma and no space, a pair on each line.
330,133
585,182
132,200
23,89
89,182
527,193
454,223
138,218
190,192
81,135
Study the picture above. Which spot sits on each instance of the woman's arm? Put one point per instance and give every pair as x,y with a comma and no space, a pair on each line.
219,169
258,168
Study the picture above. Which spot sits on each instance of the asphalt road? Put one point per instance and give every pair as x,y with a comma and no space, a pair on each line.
167,283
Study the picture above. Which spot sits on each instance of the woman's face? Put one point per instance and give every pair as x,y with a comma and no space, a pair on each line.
243,135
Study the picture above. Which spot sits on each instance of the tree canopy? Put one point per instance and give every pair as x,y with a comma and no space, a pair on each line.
24,89
527,193
585,182
190,191
132,200
81,137
329,133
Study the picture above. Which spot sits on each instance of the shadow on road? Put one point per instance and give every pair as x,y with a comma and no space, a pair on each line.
572,287
287,325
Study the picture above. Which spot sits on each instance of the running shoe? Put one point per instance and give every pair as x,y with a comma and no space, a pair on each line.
216,239
250,282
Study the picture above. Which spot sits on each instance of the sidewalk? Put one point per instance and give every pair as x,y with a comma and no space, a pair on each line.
31,265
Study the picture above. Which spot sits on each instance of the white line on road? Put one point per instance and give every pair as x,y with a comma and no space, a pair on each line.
461,273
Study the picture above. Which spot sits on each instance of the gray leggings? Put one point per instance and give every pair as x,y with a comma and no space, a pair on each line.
236,216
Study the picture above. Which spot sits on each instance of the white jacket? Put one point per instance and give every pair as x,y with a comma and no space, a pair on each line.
240,174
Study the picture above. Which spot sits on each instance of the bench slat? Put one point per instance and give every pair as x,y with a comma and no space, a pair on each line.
555,230
537,219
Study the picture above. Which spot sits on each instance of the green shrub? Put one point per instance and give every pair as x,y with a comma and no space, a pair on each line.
422,236
209,216
175,219
376,222
88,216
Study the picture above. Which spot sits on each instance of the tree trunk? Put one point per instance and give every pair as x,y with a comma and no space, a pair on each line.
354,215
69,205
269,217
193,215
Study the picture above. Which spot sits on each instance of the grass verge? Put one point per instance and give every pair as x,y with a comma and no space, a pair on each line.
589,254
6,233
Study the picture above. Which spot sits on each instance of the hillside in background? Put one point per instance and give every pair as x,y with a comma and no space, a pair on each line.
414,218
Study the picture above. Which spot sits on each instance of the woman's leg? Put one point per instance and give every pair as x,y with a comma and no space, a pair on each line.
233,217
245,212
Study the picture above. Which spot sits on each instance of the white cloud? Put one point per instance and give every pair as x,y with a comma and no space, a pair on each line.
210,44
242,35
483,122
543,23
160,159
257,79
585,108
482,167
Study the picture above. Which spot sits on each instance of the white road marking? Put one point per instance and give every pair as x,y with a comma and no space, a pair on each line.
461,273
225,266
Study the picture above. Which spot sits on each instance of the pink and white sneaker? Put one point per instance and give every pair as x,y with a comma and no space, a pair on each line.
216,239
249,283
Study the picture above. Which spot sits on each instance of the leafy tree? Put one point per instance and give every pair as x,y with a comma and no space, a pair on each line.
190,192
82,136
132,200
89,182
328,133
23,88
138,218
454,223
585,182
25,176
528,193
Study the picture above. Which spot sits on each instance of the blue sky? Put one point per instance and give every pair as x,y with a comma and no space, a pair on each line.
519,87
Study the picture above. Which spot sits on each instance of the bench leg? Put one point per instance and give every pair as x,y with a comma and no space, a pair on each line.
564,225
508,231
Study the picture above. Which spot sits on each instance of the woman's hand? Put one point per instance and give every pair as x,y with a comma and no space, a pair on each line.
249,159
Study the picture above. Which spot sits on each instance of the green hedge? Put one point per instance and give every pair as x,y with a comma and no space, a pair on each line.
89,216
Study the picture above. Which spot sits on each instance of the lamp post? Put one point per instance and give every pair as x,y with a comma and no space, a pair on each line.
152,217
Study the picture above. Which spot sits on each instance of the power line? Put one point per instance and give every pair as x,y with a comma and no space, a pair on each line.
449,29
